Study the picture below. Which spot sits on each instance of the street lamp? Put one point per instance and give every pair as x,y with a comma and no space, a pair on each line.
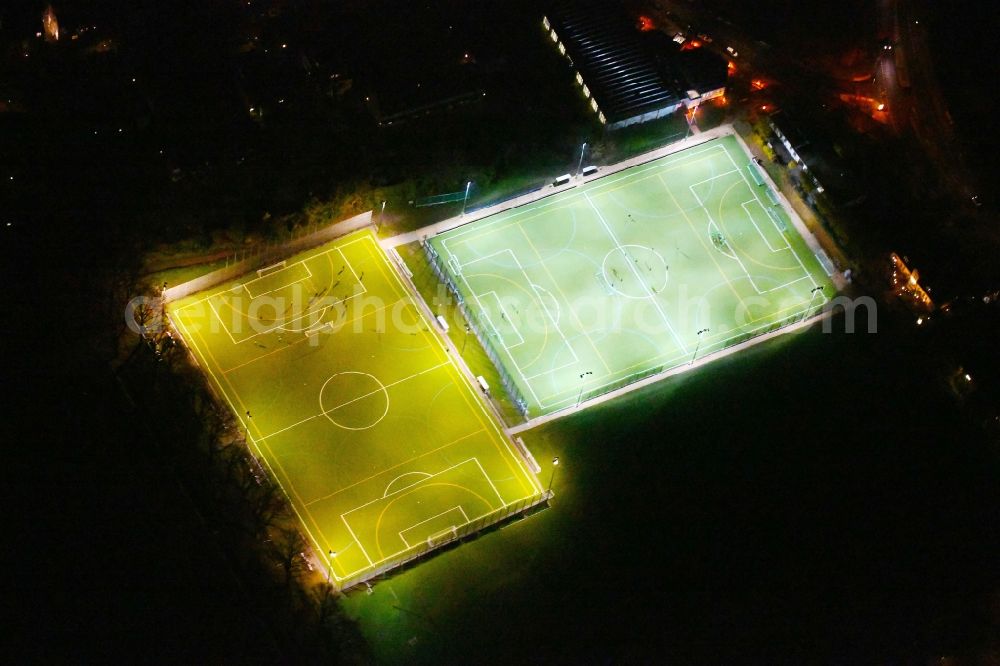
466,338
466,199
580,397
698,345
580,165
555,464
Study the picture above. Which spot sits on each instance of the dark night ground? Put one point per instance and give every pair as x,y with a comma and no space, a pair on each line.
818,499
814,500
857,521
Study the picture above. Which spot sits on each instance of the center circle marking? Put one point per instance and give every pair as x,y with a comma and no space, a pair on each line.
343,393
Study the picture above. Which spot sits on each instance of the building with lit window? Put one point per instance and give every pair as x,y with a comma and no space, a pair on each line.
628,76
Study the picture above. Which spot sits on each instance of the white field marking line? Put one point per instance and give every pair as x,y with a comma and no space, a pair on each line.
527,280
791,327
357,540
711,178
763,237
237,286
396,466
266,458
486,476
465,517
627,257
486,315
280,265
400,552
330,324
381,388
302,263
506,452
712,222
681,160
635,272
414,484
271,291
679,359
322,309
483,257
733,256
313,330
386,493
256,445
506,316
509,450
539,288
474,459
222,323
756,196
361,397
550,371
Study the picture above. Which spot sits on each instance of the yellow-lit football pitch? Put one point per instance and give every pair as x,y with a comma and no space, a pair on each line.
353,401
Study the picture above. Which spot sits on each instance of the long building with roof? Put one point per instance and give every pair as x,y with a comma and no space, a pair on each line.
629,77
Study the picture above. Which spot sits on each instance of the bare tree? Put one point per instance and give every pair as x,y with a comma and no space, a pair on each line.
287,548
265,503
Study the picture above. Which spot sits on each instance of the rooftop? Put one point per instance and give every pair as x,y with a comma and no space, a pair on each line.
616,65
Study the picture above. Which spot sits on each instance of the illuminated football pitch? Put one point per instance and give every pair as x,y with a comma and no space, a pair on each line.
633,273
382,446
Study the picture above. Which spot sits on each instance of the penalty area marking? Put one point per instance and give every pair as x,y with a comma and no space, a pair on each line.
398,494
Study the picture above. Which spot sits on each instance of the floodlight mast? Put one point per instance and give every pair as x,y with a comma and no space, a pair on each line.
579,166
698,345
466,199
579,398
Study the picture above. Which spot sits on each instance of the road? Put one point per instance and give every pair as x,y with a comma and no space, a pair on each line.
904,77
917,106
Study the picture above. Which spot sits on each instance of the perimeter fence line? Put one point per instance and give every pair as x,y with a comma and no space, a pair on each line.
263,254
476,326
457,533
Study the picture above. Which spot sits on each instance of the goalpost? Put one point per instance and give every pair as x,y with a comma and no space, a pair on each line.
273,268
444,536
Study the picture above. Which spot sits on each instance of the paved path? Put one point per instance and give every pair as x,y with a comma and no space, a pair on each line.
457,221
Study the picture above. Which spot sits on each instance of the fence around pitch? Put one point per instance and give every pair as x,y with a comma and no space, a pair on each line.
425,547
661,369
262,255
477,327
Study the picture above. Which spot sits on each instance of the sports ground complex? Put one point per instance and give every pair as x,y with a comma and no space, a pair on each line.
381,444
631,274
353,398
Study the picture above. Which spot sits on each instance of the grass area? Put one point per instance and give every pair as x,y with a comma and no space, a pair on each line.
436,296
356,406
697,521
634,273
182,274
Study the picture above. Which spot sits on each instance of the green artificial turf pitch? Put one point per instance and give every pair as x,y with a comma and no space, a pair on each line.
587,290
355,405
